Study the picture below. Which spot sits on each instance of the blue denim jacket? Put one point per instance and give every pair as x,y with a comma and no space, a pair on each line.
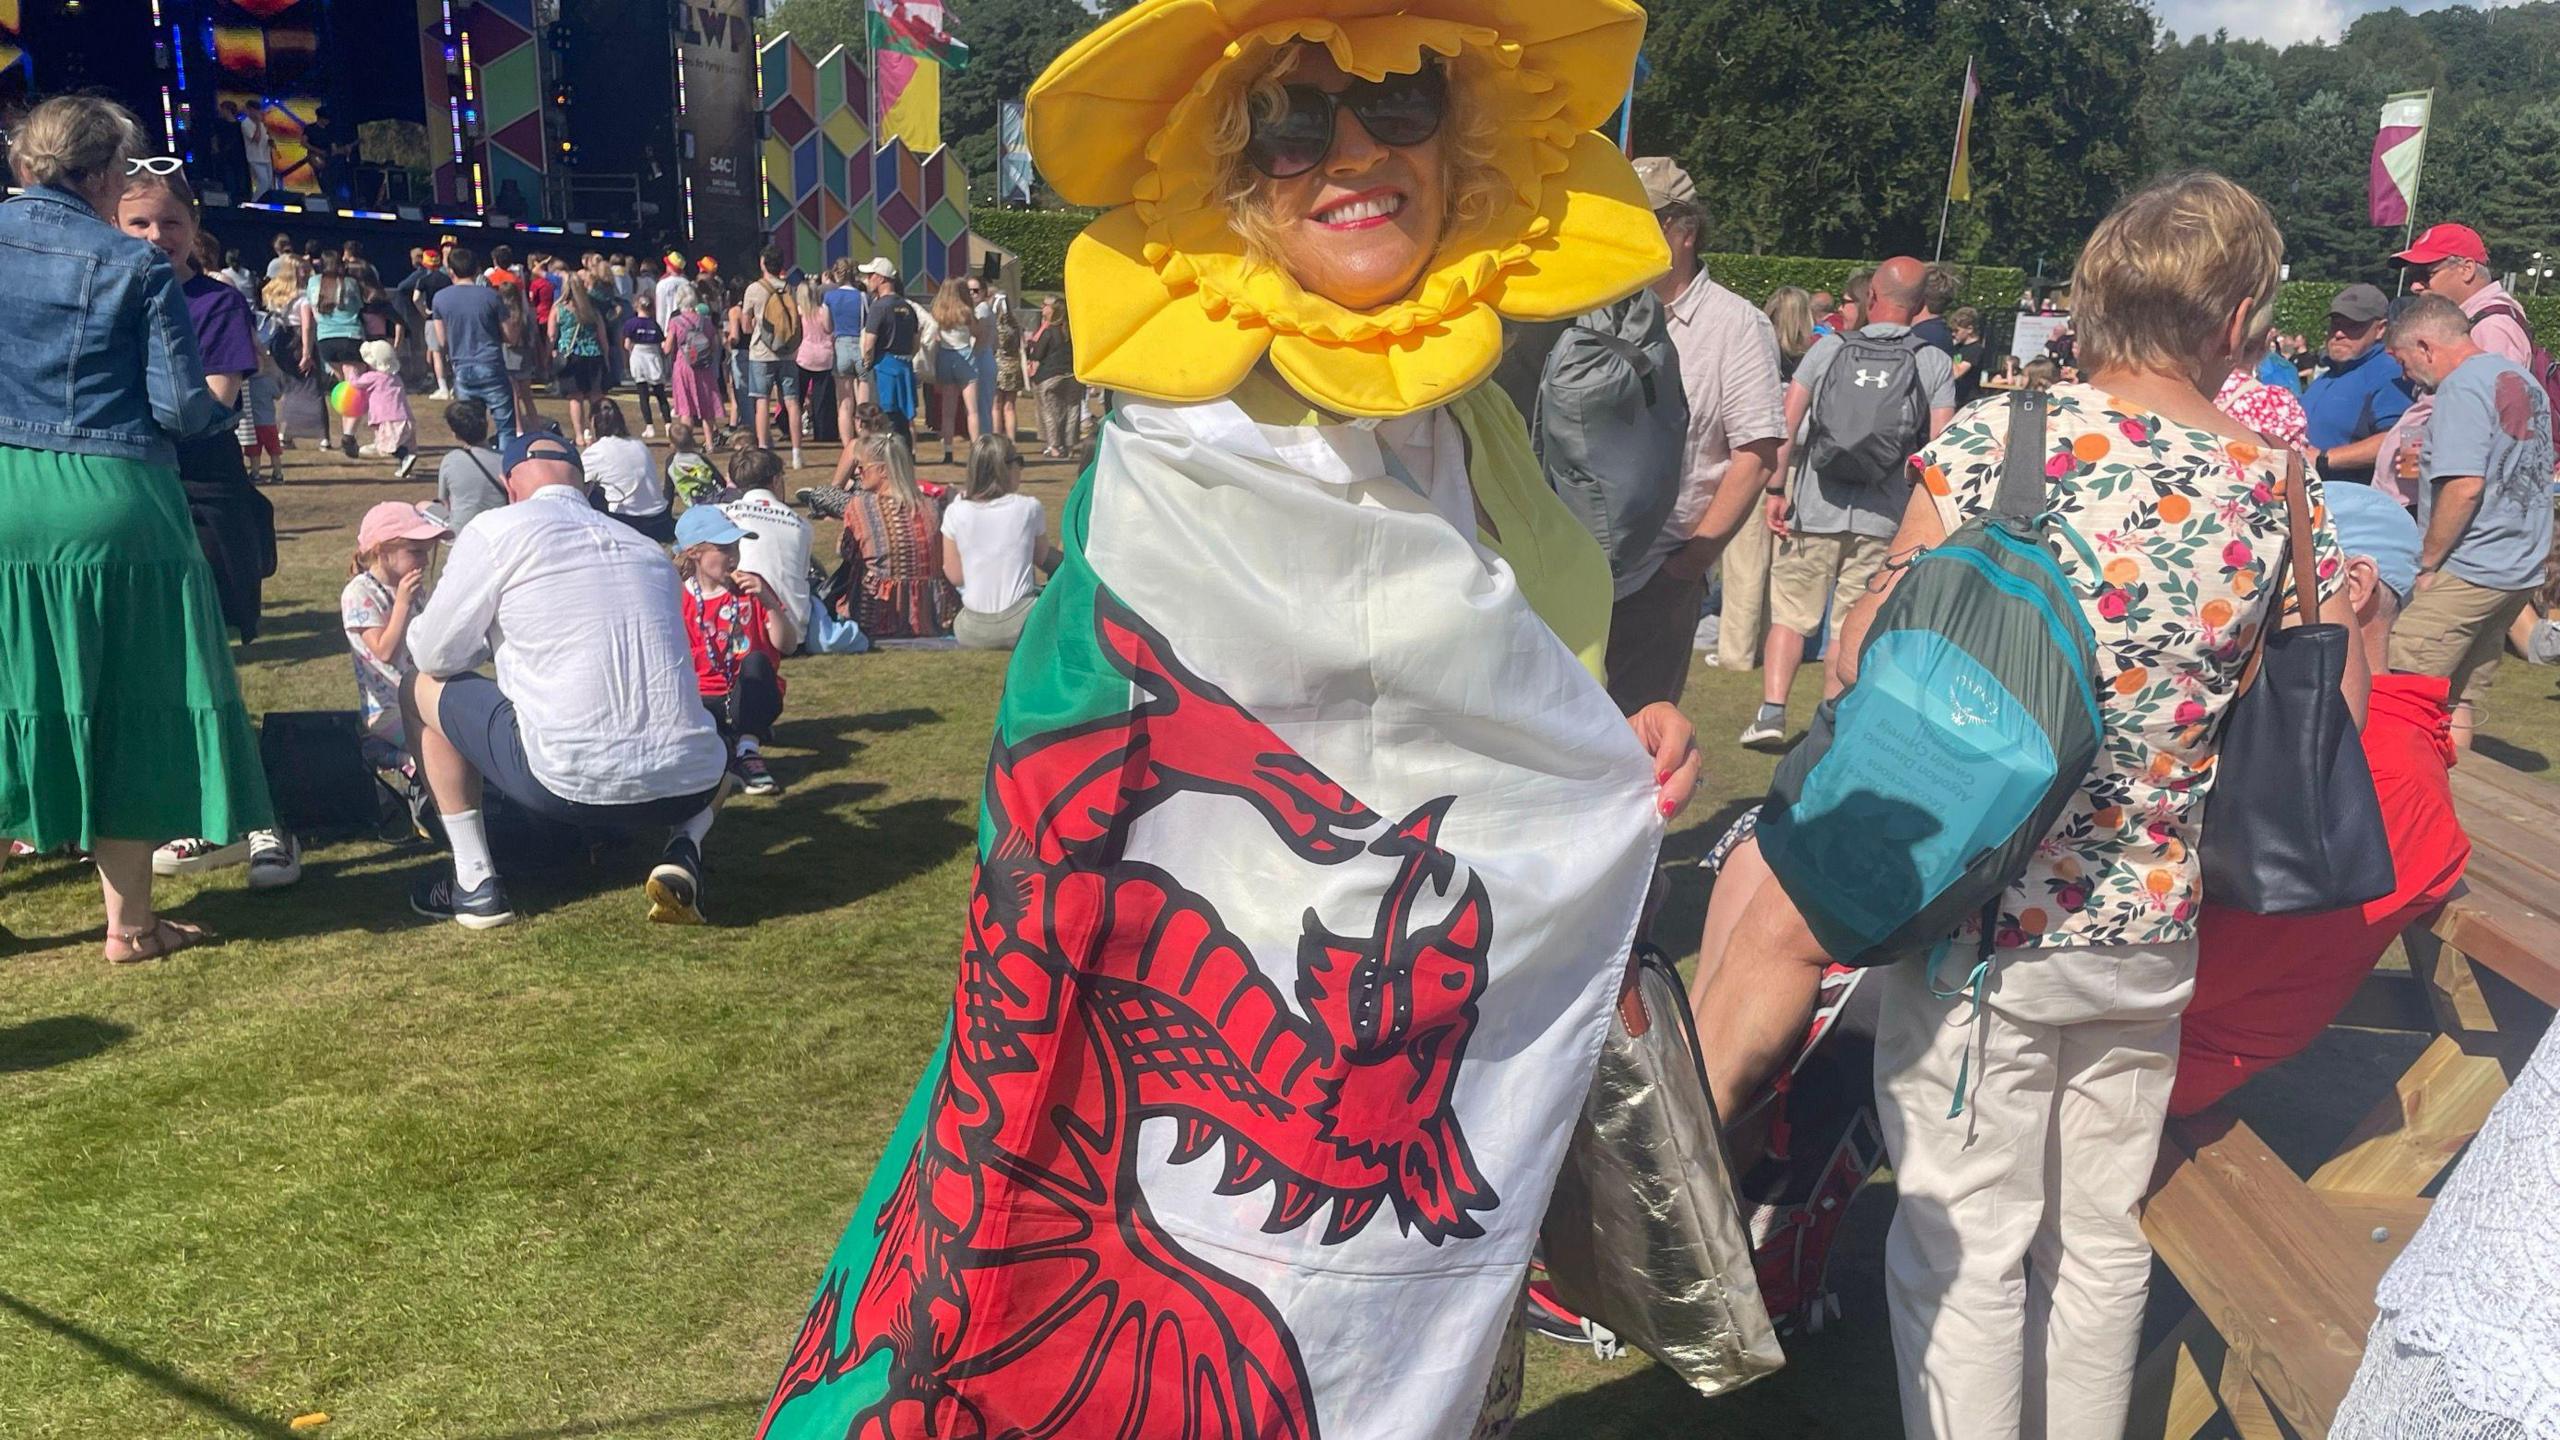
97,353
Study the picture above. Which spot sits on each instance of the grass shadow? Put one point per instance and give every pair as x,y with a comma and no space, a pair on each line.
286,637
819,850
57,1040
160,1377
627,1424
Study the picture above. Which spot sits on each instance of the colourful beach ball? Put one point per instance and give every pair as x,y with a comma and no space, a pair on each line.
347,400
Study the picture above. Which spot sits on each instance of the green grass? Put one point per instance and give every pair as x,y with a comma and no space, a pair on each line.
578,1177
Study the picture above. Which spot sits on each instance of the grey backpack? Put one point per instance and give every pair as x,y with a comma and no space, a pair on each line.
1869,412
1611,425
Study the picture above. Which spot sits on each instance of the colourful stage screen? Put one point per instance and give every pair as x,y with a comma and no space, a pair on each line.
268,57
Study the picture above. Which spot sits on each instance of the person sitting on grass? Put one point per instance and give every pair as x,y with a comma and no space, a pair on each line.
394,546
892,538
777,543
593,719
635,488
995,544
739,635
467,483
690,473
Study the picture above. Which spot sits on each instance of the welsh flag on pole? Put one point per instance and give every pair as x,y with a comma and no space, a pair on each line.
2399,152
917,28
1307,870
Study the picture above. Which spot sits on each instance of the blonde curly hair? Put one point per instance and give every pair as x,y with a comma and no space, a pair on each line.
1477,189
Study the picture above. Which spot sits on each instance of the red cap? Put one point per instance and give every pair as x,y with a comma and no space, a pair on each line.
2446,242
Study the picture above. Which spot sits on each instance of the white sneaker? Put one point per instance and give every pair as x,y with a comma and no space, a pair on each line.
648,432
275,859
195,855
796,462
443,394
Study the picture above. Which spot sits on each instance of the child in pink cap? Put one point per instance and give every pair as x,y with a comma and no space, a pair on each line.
393,547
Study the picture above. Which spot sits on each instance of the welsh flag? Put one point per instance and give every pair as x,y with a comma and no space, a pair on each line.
917,28
2399,153
1309,862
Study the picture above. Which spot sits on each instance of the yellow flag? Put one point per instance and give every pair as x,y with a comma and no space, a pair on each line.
915,115
1960,174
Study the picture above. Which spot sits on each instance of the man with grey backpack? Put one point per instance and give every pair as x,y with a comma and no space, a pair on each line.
1868,400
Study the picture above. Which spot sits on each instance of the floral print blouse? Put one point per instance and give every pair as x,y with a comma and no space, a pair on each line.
2186,528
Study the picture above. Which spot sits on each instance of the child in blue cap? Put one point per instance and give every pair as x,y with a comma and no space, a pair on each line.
739,635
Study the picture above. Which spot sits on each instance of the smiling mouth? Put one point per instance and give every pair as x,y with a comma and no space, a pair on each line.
1361,211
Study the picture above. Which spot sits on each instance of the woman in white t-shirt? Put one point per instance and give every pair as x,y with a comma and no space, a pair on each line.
995,543
635,489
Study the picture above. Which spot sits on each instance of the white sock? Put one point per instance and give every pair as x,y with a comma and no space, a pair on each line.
699,827
472,867
747,745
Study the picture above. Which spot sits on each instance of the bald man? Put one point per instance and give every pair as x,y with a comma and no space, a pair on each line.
1833,529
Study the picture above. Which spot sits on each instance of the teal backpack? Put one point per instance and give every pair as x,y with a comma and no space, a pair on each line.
1920,794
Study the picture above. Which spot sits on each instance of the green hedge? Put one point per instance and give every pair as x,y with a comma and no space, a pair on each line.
2302,308
1038,237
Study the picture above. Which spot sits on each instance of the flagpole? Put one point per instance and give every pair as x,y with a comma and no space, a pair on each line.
1947,193
871,122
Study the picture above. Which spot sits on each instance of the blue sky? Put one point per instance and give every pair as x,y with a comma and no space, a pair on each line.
2278,22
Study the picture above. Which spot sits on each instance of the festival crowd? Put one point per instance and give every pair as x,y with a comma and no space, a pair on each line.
589,627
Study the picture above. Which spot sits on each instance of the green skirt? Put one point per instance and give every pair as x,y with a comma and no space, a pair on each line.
120,713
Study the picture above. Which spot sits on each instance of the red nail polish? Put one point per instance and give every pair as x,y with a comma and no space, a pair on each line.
1667,807
1661,778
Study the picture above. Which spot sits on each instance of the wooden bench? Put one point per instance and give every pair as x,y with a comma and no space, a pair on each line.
2282,1269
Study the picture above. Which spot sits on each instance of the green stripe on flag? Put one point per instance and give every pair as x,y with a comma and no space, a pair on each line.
827,1411
1059,677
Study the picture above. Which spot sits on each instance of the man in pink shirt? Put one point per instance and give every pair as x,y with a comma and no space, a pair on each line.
2451,261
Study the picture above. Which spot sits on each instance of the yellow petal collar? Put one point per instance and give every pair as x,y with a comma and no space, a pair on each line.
1165,302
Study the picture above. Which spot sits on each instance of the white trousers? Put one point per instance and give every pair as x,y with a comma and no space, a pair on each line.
2016,1269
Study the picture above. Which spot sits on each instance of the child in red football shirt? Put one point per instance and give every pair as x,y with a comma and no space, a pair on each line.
739,638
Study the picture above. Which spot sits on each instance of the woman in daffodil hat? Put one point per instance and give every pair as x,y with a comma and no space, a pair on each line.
1312,849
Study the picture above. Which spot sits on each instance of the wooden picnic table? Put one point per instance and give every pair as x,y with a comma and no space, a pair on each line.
2282,1268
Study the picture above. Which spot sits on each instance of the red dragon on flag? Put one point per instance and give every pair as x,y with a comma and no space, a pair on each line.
1021,1285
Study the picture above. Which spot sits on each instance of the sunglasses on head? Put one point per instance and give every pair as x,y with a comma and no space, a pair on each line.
1397,111
153,165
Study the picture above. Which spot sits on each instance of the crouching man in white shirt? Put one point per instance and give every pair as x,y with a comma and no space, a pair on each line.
593,720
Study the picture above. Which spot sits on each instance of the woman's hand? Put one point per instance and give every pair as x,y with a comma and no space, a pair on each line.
1672,741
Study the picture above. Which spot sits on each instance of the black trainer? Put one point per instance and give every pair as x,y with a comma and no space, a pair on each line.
483,907
675,886
754,776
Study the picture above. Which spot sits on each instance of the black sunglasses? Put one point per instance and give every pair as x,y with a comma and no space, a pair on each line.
1397,111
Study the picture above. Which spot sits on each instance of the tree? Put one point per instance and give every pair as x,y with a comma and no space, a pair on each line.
2520,212
1825,130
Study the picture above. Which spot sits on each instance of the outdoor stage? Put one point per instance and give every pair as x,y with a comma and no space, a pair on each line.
639,125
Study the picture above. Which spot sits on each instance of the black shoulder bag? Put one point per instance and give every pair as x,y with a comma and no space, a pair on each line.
2292,826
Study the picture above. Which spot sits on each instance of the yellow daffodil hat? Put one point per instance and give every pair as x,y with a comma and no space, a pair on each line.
1164,299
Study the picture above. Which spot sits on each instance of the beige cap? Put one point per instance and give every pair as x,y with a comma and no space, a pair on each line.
1665,183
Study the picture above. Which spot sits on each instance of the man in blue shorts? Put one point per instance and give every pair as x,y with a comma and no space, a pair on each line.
593,720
